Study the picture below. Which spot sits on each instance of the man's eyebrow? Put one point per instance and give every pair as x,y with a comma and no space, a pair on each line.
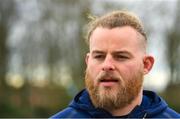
122,52
114,53
97,52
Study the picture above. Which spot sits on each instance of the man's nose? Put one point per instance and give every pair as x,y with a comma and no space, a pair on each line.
108,64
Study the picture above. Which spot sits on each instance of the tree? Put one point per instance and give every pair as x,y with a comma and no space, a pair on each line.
7,11
173,49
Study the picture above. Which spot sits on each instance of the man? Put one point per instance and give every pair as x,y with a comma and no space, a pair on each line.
116,64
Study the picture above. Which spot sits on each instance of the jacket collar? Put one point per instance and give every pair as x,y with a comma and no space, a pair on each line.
151,105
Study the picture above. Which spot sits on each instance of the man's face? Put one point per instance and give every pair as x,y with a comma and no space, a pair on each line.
114,73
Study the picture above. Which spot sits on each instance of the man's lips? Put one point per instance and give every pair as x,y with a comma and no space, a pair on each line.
108,82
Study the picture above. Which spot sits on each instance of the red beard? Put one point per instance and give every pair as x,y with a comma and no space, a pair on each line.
110,98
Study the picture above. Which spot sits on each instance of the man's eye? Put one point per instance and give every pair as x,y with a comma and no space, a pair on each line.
121,57
99,56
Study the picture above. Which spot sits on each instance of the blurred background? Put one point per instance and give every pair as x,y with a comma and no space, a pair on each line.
42,51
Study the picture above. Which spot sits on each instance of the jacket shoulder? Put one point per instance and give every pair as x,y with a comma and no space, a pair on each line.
70,112
168,113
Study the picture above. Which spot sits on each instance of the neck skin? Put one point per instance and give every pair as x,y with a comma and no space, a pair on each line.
126,110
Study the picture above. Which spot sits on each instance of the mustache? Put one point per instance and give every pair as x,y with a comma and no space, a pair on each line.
108,76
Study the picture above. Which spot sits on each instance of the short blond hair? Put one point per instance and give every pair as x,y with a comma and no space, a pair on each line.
116,19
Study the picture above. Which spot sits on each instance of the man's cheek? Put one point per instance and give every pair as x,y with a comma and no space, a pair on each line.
93,71
128,70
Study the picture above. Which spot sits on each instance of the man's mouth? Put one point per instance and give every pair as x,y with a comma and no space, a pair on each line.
108,82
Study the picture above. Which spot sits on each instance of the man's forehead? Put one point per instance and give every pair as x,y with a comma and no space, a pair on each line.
124,37
122,34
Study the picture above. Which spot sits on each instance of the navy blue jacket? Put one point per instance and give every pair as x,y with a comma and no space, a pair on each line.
152,106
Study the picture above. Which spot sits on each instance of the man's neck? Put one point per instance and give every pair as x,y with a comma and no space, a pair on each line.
126,110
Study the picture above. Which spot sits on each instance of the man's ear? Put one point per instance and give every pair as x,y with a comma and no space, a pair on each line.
87,58
148,63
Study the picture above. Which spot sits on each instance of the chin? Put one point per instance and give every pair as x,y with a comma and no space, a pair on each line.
107,91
